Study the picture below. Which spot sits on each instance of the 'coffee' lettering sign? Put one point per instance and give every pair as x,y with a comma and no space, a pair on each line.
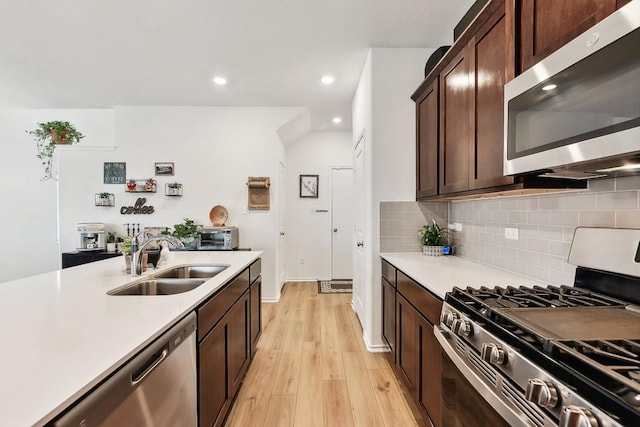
138,208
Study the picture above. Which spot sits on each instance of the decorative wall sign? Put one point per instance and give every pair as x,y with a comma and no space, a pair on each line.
115,173
309,186
164,168
138,208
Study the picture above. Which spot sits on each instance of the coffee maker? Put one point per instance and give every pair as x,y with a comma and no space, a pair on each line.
91,236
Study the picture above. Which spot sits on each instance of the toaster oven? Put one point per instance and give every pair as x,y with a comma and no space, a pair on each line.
218,239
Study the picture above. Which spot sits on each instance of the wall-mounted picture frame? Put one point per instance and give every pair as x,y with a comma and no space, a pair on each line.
164,168
309,186
115,172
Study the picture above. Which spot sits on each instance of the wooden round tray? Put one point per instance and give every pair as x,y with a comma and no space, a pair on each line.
218,215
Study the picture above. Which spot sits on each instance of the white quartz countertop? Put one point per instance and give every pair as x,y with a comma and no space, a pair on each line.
62,334
440,274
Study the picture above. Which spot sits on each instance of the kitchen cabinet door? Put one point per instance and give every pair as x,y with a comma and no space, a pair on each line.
237,321
427,142
214,399
407,344
255,299
430,389
543,26
455,126
489,67
389,316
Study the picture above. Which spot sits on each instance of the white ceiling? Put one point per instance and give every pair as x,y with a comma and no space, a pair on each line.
100,54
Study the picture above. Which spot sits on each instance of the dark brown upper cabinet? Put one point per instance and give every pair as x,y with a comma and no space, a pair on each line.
427,142
540,27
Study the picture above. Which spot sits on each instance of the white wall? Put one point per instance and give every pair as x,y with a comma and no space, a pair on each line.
308,235
383,109
214,150
28,206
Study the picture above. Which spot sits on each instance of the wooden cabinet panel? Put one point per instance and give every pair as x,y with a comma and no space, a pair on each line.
237,343
389,316
389,273
213,400
455,129
407,347
430,390
213,310
546,25
255,300
489,65
425,302
427,142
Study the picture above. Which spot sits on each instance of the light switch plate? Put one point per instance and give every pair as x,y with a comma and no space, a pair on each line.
511,233
457,226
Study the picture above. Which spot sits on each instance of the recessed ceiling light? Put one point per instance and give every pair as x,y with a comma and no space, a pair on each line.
220,81
337,120
549,87
327,80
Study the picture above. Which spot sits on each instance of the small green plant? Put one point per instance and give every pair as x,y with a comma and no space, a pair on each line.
104,195
187,231
432,234
111,238
50,134
125,246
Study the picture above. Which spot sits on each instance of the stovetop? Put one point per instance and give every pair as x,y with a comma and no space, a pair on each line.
590,340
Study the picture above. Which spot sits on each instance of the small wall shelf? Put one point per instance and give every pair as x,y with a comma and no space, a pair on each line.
141,186
173,189
105,199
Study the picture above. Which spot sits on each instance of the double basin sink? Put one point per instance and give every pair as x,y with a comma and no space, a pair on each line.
175,280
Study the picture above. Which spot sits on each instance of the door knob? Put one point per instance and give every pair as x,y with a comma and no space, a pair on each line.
335,230
282,233
360,244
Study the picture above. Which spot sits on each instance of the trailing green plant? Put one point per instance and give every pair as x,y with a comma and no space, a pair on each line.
432,234
50,134
188,230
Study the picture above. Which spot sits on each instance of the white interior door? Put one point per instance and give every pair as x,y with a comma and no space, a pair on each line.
341,223
282,211
358,226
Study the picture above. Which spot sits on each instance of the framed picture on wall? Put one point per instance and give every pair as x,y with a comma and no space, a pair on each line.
309,186
164,168
115,172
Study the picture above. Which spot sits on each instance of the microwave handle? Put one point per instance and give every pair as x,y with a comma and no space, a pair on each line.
487,393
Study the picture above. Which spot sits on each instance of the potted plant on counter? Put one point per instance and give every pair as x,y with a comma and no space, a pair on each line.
50,134
111,242
188,232
432,239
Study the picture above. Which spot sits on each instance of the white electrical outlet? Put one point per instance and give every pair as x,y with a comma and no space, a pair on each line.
245,210
511,233
457,226
450,226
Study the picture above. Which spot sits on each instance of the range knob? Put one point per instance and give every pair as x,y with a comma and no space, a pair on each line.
492,353
448,317
542,393
575,416
462,327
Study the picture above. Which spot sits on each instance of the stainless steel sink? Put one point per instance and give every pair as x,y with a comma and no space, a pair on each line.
200,271
158,286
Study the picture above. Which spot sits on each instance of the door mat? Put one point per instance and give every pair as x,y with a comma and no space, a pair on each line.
335,286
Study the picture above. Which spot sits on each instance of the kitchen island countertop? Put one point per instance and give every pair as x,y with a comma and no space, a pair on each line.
440,274
62,334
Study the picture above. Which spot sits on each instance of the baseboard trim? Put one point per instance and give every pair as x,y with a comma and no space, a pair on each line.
381,348
270,300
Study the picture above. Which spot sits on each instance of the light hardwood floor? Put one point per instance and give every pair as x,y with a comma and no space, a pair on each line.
312,369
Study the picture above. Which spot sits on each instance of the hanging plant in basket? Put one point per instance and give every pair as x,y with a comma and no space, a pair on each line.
432,239
50,134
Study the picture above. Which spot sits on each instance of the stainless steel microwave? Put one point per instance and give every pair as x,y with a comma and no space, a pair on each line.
576,113
219,239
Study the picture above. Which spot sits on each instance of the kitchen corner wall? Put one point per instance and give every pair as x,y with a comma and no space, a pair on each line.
545,225
400,222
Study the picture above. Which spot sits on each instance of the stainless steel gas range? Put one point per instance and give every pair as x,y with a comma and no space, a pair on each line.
549,356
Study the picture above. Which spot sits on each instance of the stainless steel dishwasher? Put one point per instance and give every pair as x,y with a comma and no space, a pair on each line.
157,388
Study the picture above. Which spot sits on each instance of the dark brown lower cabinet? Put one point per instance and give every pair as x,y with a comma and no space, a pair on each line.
389,316
417,351
255,299
227,334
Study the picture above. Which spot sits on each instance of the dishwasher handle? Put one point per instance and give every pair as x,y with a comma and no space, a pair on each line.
148,366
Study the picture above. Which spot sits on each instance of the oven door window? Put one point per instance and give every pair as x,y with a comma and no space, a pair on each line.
462,405
594,97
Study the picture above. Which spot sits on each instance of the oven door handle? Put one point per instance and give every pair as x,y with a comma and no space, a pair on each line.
493,399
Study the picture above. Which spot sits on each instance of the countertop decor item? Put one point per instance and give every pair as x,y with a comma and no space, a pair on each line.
50,134
432,239
218,215
188,232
